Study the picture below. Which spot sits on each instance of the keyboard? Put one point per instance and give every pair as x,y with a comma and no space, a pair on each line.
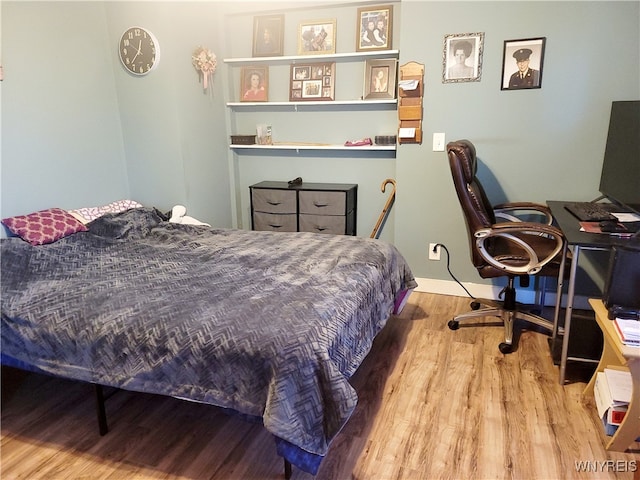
589,211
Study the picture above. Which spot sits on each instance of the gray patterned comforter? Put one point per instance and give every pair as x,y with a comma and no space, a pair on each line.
268,324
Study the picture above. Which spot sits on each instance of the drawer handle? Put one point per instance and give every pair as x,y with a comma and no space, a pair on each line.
275,226
271,202
320,205
320,229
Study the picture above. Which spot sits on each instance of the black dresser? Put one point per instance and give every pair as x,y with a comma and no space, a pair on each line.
308,207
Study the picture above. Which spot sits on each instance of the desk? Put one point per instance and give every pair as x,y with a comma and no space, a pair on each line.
577,241
616,353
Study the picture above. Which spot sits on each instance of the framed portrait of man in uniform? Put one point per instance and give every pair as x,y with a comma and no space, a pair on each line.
522,63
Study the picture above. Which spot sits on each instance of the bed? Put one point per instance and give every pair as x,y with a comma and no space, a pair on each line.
269,325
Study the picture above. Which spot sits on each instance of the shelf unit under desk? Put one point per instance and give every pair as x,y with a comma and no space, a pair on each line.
615,353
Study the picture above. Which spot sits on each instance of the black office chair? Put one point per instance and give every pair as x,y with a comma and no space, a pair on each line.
512,248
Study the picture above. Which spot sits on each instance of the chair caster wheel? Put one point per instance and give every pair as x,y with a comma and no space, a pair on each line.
453,324
475,305
505,348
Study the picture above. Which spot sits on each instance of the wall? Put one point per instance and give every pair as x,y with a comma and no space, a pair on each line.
77,130
174,132
61,135
333,125
533,145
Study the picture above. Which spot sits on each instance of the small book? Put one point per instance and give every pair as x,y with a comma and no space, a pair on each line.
620,385
628,331
620,229
590,227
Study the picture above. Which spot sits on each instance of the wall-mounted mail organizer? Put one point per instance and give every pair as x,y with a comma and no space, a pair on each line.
410,93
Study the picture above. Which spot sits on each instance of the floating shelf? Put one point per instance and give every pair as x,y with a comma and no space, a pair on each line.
303,146
323,103
359,104
312,58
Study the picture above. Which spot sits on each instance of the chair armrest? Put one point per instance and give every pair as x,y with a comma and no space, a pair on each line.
526,208
530,262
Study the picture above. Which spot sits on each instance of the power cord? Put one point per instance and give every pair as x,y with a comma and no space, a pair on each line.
435,248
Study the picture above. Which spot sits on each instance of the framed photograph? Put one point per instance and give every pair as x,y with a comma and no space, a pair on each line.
316,37
254,84
268,33
462,57
522,62
312,81
380,79
374,28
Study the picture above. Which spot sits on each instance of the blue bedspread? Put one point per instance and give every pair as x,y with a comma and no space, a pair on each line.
268,324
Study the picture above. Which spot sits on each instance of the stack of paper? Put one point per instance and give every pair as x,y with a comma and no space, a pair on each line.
628,331
612,394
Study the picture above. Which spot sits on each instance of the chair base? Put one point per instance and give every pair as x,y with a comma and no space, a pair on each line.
508,316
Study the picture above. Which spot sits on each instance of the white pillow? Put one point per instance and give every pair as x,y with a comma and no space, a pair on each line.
88,214
179,215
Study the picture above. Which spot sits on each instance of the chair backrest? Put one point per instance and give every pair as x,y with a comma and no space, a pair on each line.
478,211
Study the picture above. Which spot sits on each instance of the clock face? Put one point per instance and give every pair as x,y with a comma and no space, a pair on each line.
139,50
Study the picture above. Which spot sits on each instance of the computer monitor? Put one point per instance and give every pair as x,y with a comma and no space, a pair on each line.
620,178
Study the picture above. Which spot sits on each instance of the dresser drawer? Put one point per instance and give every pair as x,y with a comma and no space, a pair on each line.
334,224
274,201
323,203
275,222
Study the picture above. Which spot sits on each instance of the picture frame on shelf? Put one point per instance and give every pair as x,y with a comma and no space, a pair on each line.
317,37
380,79
254,83
522,62
462,57
268,36
312,81
374,28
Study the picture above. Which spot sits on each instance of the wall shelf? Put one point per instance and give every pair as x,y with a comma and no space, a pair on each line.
349,56
246,109
302,146
325,103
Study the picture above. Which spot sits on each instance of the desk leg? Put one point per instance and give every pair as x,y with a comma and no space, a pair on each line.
569,311
556,313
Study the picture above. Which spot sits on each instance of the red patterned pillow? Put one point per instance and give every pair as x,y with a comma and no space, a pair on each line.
45,226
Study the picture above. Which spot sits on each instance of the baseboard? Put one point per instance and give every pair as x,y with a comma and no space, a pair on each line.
479,290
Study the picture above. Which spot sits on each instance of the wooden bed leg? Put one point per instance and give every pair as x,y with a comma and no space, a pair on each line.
102,413
287,469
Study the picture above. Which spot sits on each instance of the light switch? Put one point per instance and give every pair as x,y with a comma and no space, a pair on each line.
438,142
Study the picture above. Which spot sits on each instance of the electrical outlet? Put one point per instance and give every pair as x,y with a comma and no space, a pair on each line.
434,251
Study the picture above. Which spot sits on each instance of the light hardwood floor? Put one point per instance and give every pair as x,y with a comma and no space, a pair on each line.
434,404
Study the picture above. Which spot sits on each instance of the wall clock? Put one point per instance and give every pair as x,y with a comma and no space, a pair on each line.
139,50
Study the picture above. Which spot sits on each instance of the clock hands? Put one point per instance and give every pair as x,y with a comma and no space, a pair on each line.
139,51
